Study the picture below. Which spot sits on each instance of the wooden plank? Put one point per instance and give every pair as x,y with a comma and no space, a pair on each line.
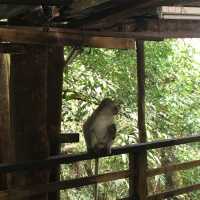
167,25
171,168
68,138
110,42
61,185
62,37
11,48
173,193
155,31
31,36
67,159
150,35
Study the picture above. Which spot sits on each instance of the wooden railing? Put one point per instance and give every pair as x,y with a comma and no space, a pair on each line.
137,172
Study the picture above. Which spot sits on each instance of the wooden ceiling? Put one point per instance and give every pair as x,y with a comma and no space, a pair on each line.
83,14
95,23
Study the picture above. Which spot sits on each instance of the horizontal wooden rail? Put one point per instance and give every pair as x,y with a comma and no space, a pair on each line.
175,192
171,168
61,185
67,159
170,193
68,138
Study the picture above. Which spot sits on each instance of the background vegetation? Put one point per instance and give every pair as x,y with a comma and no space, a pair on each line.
172,109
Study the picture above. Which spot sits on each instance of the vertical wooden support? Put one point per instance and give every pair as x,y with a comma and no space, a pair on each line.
5,140
141,90
28,92
138,160
138,180
54,104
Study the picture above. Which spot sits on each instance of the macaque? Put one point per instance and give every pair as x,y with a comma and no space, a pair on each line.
99,129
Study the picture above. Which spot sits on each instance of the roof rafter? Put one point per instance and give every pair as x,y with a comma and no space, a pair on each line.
119,16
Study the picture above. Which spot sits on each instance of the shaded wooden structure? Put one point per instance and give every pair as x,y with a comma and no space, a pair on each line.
33,31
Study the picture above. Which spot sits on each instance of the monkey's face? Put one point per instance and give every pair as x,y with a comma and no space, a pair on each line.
110,106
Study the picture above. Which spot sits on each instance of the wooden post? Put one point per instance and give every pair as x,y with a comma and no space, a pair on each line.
141,91
138,180
5,139
28,100
138,160
54,104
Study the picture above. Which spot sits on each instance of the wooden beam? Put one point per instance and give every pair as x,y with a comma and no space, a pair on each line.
110,42
67,159
171,168
37,36
68,138
50,2
62,37
36,2
61,185
169,26
115,17
154,29
66,2
11,48
173,193
149,30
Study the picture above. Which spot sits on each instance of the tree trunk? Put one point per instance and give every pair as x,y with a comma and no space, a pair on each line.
54,104
5,140
28,100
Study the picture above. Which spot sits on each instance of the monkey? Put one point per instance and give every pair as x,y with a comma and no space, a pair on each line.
100,131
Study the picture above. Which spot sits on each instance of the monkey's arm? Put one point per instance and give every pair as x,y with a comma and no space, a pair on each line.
112,131
89,136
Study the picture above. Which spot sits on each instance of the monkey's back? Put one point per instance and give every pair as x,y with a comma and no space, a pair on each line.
95,130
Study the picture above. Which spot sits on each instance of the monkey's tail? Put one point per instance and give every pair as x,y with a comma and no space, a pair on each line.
96,171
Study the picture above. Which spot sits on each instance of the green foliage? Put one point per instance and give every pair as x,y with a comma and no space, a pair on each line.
172,108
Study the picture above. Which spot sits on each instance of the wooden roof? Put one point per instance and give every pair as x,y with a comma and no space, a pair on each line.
88,14
84,21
